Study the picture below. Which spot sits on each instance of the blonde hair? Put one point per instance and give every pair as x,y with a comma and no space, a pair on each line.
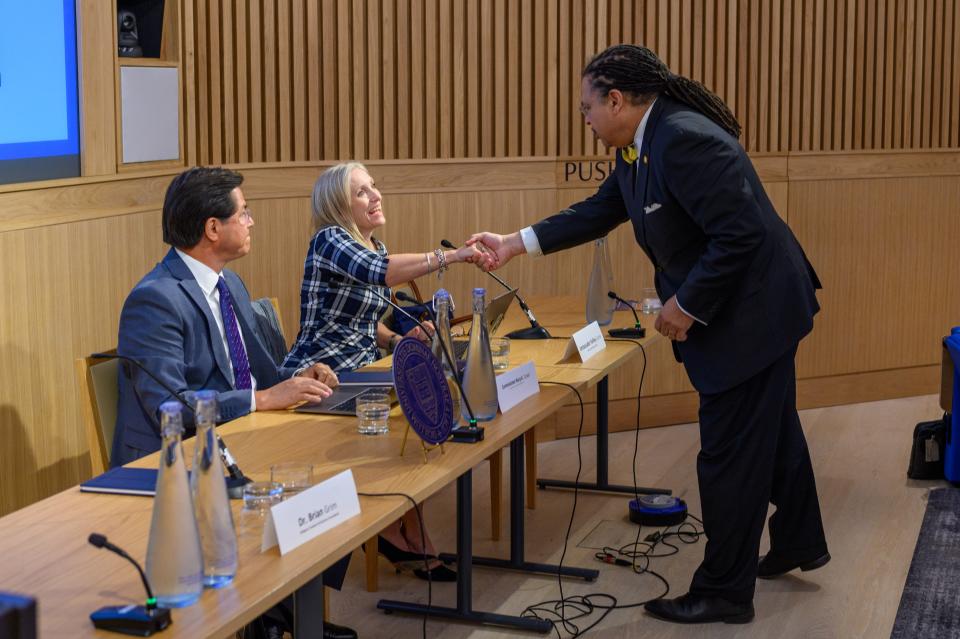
331,199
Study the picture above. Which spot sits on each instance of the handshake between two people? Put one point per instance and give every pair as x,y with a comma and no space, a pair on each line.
496,250
491,250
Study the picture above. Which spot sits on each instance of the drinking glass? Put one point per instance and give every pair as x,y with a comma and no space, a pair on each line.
373,412
649,301
295,477
500,350
260,496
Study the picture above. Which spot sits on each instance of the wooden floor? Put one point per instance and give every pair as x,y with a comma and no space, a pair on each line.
872,515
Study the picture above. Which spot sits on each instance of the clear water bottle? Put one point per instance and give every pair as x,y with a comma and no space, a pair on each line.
218,538
479,381
174,559
599,305
442,305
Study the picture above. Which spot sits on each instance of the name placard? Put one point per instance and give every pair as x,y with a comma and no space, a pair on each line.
311,513
517,384
584,344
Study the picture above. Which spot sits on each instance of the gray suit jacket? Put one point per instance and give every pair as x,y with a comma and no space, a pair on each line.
167,326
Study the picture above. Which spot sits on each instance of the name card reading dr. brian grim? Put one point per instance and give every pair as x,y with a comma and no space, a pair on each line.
311,513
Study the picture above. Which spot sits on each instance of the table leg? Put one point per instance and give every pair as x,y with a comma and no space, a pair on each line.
602,484
517,561
464,610
308,605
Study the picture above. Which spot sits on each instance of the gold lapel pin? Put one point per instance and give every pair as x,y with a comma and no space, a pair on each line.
644,159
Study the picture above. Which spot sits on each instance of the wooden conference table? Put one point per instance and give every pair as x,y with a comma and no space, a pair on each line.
44,551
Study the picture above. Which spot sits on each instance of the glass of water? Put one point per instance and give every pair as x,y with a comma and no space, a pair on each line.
649,301
500,350
373,412
260,496
295,477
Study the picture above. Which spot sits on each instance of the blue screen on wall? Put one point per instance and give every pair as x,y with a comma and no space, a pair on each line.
39,133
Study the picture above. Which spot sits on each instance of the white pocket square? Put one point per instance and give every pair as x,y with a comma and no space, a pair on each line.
647,210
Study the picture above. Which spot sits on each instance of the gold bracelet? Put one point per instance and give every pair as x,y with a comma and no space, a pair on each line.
429,265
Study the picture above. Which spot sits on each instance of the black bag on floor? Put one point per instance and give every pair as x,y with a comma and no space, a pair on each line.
926,457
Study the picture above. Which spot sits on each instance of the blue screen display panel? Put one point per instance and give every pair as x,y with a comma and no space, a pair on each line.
39,136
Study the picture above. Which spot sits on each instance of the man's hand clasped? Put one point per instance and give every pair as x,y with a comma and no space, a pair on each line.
673,323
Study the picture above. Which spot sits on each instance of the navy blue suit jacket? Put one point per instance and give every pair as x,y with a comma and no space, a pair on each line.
166,324
701,215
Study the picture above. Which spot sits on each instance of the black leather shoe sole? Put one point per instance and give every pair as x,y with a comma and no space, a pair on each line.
706,612
771,568
741,618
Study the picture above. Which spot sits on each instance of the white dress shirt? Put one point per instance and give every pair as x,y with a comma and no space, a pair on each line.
207,278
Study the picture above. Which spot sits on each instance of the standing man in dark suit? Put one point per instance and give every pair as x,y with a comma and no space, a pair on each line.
740,294
190,323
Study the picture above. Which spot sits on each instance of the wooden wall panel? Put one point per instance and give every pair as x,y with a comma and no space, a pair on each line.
879,227
895,234
96,25
290,80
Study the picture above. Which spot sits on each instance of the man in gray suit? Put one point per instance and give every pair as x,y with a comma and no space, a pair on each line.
189,321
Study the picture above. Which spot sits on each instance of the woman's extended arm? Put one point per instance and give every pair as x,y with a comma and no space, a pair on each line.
403,267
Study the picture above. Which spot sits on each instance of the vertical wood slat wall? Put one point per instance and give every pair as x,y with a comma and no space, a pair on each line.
288,80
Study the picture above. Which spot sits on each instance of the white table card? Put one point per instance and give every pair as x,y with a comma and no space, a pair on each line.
314,511
584,344
516,384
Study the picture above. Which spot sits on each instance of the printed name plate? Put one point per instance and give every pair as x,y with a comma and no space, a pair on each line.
312,512
422,390
517,384
584,344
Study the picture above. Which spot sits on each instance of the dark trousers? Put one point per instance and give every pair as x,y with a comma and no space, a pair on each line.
753,453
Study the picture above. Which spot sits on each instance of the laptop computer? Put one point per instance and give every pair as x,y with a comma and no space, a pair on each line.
343,400
494,314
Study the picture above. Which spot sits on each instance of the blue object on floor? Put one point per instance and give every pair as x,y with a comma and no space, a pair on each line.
951,456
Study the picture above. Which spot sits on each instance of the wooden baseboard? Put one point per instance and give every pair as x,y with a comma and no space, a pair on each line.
681,408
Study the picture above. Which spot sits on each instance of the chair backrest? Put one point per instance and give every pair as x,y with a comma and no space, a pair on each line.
97,381
267,312
410,288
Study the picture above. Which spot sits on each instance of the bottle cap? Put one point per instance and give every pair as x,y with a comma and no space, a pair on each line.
479,291
205,395
171,407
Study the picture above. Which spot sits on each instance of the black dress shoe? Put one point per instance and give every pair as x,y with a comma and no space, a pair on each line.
693,608
397,557
333,631
771,566
437,573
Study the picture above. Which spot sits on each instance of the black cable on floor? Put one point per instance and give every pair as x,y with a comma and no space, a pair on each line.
583,606
423,546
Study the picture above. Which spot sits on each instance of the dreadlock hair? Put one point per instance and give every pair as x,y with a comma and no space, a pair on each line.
639,74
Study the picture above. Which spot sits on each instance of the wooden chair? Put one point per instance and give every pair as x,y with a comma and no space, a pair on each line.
97,382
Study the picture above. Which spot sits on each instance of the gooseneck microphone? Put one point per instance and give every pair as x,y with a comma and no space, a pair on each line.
466,434
132,620
636,331
536,331
237,479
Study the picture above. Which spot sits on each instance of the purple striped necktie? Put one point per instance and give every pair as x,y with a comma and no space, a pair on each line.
238,354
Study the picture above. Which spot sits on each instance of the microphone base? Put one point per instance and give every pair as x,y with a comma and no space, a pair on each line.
533,332
466,434
235,486
131,620
627,332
